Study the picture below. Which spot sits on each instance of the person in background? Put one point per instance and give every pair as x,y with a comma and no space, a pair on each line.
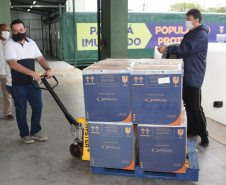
4,35
193,50
20,54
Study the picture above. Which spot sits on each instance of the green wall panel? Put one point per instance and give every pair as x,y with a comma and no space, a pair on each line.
89,53
5,17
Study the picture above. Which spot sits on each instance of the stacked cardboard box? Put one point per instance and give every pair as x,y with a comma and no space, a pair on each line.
156,90
107,93
156,94
112,136
113,145
122,96
162,148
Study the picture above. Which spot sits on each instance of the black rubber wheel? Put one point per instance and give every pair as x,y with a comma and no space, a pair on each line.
76,151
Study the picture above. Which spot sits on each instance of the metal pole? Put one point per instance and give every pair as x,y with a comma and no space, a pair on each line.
55,33
74,34
43,46
50,36
204,6
144,6
61,35
98,24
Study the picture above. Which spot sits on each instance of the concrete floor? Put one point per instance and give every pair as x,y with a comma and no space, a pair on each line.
50,163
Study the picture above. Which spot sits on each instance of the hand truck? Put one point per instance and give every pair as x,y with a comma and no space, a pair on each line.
76,148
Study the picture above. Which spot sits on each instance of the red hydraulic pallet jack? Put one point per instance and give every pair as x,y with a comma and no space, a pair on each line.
77,148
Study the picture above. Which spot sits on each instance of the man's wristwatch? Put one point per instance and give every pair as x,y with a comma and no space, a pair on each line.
48,69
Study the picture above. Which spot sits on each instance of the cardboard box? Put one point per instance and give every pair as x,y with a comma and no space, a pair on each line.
107,93
113,145
156,94
162,148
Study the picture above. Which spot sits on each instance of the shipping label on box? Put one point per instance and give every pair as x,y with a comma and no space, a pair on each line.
107,97
156,99
113,145
162,148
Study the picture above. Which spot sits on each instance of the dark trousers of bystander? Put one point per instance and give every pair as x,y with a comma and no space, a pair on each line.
195,115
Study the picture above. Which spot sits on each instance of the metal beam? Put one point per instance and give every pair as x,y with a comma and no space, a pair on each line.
37,6
32,11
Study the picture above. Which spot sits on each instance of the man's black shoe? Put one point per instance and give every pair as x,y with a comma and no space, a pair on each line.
204,141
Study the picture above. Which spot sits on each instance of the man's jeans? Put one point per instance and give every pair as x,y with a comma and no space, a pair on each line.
20,96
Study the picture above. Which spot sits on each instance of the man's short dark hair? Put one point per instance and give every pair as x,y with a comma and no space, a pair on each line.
196,14
16,21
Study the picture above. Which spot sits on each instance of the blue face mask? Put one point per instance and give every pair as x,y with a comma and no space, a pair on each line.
19,36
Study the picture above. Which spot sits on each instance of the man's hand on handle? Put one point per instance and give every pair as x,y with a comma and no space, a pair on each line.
48,74
35,76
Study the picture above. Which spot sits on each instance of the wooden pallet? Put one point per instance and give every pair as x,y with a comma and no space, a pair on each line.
192,173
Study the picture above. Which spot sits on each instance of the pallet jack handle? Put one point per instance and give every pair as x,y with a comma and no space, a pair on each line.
69,117
43,77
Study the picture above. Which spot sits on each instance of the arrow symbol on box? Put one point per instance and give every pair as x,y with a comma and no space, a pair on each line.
135,79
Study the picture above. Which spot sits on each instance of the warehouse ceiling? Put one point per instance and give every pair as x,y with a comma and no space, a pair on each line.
39,6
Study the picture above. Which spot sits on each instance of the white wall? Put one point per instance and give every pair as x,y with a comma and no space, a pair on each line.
33,24
214,85
80,5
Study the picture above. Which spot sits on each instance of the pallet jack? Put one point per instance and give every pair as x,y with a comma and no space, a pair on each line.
78,148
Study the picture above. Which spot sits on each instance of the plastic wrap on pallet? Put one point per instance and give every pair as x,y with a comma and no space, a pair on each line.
111,60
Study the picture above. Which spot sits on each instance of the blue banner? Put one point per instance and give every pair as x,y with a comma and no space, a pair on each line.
163,33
